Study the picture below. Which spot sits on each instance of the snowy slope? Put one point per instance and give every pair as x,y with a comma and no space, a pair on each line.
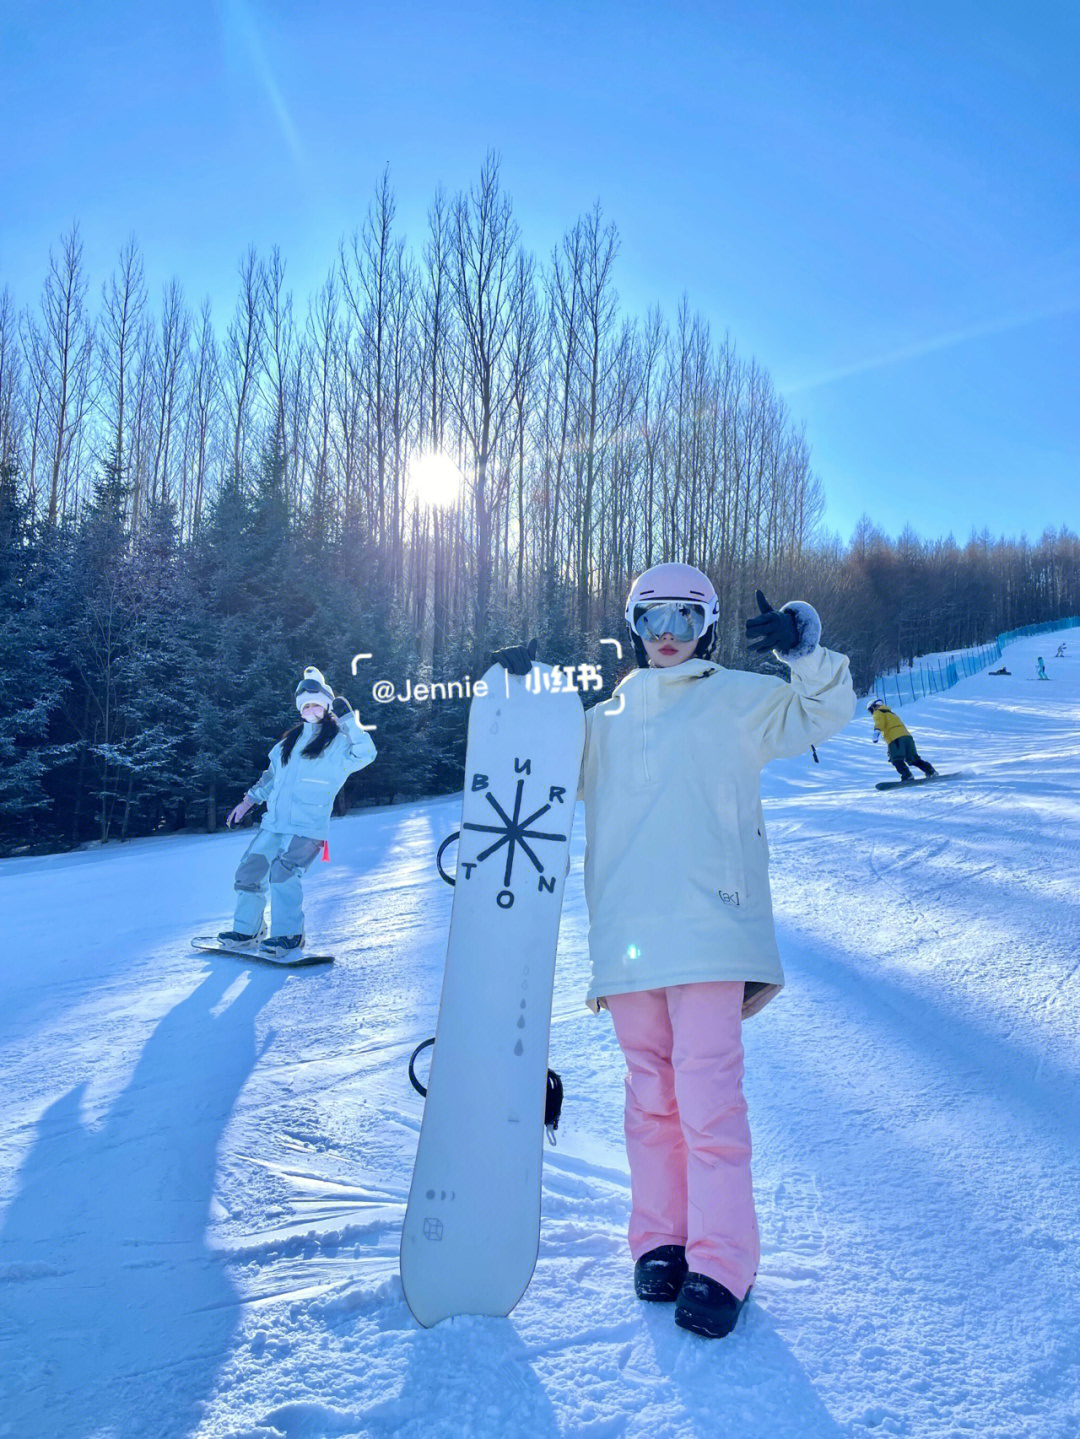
203,1165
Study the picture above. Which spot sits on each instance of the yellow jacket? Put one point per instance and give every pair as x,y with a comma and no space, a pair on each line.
890,725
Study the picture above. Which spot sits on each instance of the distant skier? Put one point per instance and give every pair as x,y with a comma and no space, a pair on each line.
1060,653
902,751
307,767
1041,669
680,918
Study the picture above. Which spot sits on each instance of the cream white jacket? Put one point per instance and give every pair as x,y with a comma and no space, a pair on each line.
676,858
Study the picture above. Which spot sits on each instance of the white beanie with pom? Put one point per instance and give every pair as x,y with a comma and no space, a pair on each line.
313,689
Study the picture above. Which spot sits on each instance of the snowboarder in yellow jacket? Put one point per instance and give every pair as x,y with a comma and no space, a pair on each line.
902,751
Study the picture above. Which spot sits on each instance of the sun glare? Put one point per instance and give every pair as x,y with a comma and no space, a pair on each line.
435,480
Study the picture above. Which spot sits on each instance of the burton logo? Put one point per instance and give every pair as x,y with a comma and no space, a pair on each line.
515,833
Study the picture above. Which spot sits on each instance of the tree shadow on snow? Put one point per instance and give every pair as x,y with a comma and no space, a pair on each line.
115,1314
958,1042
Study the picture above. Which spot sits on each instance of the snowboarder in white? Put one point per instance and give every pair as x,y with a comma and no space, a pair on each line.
307,768
680,915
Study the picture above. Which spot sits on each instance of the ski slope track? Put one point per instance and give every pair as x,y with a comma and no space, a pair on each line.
204,1164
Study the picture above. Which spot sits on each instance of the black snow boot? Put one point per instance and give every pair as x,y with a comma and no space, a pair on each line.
234,937
705,1307
659,1274
282,943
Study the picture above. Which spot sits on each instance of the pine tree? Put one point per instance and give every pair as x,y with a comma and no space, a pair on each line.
33,684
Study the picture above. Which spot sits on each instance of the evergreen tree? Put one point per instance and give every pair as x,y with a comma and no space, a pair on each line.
157,741
33,684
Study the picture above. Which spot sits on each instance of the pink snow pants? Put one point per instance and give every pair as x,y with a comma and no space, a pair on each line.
687,1134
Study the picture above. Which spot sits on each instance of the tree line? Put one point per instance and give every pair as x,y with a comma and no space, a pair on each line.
189,514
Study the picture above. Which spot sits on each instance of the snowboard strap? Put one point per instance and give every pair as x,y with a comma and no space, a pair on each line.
552,1103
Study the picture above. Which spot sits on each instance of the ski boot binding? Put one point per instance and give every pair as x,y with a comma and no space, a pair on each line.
282,944
235,940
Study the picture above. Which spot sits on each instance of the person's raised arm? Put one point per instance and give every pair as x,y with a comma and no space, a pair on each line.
361,749
786,718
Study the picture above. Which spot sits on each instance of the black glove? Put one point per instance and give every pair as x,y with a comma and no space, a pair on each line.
516,658
341,706
773,629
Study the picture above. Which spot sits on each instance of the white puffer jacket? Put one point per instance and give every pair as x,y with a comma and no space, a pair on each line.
676,858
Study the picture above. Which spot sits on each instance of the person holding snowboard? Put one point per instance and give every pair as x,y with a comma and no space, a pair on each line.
902,751
681,932
307,768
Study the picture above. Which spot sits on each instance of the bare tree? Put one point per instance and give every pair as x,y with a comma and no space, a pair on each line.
170,367
242,360
524,359
600,245
279,358
123,300
564,297
434,318
141,410
367,275
204,391
12,419
403,395
321,351
486,300
60,353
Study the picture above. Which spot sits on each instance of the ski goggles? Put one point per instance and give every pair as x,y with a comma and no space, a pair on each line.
683,620
311,687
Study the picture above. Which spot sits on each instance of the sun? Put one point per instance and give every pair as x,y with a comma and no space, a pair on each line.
435,481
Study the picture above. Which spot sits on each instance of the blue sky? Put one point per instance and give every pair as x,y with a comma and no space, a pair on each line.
878,201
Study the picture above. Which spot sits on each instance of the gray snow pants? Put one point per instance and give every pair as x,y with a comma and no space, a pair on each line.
273,865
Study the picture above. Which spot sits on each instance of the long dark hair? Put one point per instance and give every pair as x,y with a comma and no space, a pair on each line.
328,732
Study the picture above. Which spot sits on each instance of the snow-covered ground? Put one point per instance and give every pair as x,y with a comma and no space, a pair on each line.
204,1165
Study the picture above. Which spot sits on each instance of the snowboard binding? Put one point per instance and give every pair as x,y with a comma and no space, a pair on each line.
552,1105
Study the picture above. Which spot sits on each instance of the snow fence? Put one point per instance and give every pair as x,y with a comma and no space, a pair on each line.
932,678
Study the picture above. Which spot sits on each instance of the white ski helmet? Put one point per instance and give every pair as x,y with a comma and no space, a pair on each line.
313,689
682,584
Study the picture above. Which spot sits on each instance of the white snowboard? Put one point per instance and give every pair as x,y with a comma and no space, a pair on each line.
290,959
472,1226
